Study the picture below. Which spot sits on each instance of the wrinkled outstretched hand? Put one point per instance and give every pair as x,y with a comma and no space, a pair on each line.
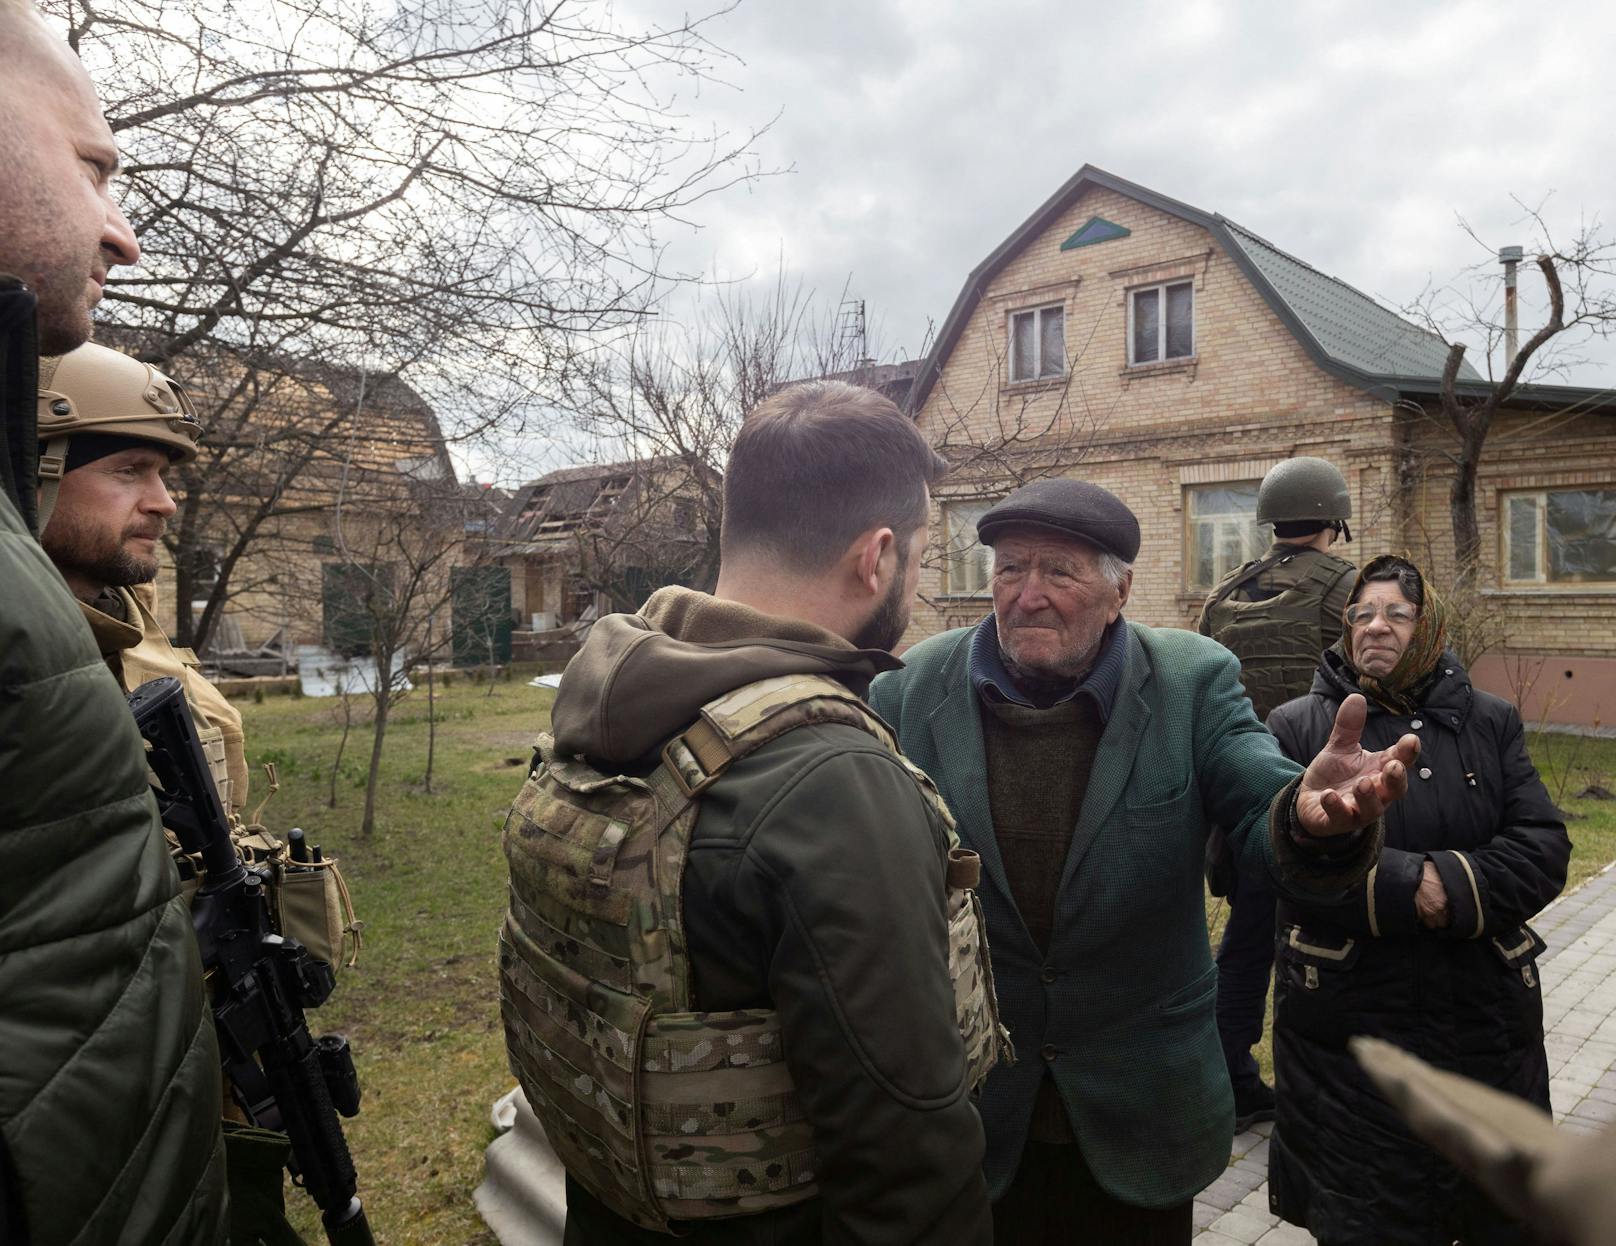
1345,788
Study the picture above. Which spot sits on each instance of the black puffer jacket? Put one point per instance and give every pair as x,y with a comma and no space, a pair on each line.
1465,997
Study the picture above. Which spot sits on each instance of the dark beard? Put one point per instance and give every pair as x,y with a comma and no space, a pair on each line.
74,549
885,628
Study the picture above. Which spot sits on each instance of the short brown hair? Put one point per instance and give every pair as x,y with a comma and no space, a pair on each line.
817,464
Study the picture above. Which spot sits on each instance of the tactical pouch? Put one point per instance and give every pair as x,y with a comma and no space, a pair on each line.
312,905
255,1166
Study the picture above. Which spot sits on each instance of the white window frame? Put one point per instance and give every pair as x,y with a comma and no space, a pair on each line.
1191,519
1161,289
1540,577
958,512
1037,314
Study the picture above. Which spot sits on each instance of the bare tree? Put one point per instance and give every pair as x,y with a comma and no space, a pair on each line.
1580,286
390,580
1005,430
668,400
456,193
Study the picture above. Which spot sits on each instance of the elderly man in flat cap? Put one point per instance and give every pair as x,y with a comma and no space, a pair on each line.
1084,758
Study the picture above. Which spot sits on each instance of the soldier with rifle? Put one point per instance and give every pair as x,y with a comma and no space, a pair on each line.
1276,614
110,429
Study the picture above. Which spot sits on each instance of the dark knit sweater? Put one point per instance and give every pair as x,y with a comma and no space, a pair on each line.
1038,763
1038,771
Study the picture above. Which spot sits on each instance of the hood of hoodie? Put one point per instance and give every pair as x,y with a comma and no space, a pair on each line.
642,678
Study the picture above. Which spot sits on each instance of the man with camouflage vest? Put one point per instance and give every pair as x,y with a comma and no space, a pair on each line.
1276,614
110,429
741,951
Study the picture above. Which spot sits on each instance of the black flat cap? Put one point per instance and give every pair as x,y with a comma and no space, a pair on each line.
1072,508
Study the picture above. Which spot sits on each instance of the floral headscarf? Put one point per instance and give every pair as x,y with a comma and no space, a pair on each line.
1402,688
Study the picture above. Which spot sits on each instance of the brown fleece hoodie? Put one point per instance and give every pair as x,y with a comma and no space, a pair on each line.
642,678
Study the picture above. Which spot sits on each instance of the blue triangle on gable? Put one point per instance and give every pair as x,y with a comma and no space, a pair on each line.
1097,229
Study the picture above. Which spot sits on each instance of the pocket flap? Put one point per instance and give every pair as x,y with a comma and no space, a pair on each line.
1323,950
1520,946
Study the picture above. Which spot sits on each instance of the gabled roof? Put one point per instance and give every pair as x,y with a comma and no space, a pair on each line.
1343,330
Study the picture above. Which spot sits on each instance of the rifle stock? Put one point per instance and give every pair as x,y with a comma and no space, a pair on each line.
262,981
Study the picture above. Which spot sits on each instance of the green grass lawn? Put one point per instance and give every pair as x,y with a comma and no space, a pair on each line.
422,1006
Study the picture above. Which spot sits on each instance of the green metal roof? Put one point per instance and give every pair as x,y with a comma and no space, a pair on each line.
1348,326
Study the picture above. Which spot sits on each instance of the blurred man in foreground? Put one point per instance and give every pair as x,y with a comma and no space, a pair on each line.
109,1106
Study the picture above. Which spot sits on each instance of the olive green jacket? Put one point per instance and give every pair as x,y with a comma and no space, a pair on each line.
109,1099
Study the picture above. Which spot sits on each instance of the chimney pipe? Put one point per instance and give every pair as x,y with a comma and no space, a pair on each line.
1510,257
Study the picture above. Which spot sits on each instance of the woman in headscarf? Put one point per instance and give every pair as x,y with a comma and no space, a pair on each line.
1432,953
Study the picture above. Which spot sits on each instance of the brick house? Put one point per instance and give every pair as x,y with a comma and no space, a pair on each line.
584,541
316,443
1174,357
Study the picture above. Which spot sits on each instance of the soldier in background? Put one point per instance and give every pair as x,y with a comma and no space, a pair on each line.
1276,614
110,428
109,1105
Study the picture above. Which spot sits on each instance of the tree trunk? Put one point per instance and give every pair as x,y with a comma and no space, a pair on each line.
342,744
1462,514
384,703
431,706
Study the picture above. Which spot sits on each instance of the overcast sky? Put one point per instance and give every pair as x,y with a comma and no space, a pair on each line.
921,132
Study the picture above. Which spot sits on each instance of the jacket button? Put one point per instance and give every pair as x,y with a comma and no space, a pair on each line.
1425,772
1049,1052
1047,974
1417,724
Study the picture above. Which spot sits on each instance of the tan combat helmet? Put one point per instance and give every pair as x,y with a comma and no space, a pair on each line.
95,389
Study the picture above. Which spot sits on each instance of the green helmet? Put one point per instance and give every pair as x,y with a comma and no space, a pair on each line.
1304,490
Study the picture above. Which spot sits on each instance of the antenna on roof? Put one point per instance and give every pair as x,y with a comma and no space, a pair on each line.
855,331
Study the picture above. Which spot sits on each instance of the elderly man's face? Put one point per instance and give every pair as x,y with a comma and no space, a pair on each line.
60,231
1052,603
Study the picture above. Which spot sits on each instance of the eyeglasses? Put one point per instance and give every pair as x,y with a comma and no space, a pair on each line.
1396,612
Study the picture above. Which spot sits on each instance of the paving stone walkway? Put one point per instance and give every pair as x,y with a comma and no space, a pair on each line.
1579,1019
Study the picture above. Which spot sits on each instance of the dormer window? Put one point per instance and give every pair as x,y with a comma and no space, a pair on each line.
1038,343
1161,322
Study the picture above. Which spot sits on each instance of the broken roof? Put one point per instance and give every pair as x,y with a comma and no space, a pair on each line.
1343,330
558,504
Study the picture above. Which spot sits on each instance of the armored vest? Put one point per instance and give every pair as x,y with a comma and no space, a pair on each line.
663,1112
137,650
310,899
1277,639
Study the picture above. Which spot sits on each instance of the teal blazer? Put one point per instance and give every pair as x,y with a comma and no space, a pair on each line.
1121,1008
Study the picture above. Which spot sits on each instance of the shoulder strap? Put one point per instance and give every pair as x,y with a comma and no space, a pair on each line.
747,718
1248,572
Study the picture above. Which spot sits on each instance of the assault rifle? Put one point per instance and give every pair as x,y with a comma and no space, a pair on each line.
262,981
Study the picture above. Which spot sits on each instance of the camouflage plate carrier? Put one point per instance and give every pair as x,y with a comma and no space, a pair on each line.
662,1112
1276,639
